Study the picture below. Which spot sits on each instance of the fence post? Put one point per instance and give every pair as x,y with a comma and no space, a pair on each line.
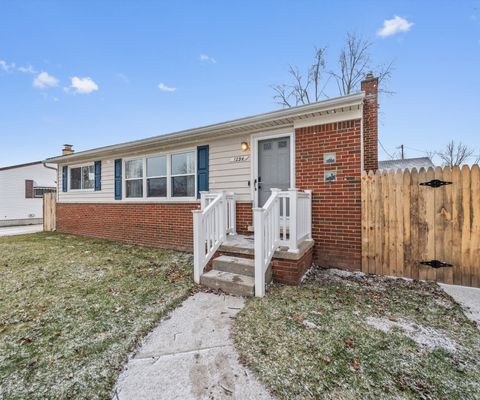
198,245
292,226
259,252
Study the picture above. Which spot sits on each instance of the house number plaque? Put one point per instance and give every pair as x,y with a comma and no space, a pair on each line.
237,159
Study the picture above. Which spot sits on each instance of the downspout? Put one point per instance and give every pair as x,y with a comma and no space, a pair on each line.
46,166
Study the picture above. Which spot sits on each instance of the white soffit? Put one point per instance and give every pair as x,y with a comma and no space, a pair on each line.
354,112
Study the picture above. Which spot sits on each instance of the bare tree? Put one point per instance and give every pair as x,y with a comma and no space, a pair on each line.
303,90
354,63
455,154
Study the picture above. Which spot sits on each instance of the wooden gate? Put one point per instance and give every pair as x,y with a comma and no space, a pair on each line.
423,225
49,211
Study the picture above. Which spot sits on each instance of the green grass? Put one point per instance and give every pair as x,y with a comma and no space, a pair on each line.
313,341
72,308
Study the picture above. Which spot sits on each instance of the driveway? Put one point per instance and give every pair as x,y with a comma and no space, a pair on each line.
468,298
20,230
191,356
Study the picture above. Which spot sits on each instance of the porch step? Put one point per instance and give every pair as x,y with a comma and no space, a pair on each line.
236,284
236,265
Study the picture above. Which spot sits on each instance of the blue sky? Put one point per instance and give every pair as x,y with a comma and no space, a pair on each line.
89,73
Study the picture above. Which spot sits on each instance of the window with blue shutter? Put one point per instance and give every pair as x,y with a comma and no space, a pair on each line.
202,169
64,178
98,175
118,179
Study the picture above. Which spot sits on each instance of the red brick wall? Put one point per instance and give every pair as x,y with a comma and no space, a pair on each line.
291,272
166,225
244,218
370,124
336,206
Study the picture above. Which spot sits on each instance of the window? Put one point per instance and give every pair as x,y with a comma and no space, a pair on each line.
161,176
38,191
157,176
134,178
183,174
82,177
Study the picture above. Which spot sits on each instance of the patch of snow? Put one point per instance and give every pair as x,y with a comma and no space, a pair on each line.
423,336
310,324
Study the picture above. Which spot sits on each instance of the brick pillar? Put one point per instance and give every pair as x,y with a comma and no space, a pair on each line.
370,122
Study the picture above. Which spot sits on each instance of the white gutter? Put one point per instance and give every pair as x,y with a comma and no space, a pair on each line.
294,112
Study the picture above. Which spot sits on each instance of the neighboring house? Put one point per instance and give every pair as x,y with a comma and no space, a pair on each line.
22,188
144,191
406,163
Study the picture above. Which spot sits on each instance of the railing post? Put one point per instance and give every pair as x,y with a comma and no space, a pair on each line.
292,226
259,252
233,214
309,214
223,216
198,245
203,200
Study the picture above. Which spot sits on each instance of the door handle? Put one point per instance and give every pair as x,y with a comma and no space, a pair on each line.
255,184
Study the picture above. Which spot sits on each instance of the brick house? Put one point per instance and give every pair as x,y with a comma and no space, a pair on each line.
243,229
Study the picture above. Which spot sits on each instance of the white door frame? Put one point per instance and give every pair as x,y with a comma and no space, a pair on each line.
255,138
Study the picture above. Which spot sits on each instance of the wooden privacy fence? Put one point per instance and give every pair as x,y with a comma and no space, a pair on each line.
423,224
49,211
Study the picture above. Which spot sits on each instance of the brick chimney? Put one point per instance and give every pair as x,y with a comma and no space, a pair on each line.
67,149
370,122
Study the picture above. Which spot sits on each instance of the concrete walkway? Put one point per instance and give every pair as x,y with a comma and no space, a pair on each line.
20,230
191,356
468,298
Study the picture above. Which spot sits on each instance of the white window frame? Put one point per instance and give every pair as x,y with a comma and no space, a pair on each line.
169,197
155,176
142,178
69,180
174,176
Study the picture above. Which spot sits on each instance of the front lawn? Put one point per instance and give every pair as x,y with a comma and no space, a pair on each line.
356,337
72,308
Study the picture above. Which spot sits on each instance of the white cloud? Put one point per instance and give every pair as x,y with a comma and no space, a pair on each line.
83,85
4,66
395,25
165,88
207,59
27,70
43,81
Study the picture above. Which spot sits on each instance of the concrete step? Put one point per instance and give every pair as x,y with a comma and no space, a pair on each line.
240,285
235,265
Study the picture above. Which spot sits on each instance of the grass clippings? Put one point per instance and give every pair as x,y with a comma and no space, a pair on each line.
73,308
329,339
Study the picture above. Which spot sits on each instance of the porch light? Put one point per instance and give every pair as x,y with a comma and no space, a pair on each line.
244,146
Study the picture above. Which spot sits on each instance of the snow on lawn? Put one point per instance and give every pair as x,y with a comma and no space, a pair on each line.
72,308
347,336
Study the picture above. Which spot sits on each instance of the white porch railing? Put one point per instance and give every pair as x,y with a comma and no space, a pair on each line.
231,202
284,220
211,225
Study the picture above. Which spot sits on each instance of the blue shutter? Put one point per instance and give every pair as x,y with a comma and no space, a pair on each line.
118,179
64,178
202,169
98,175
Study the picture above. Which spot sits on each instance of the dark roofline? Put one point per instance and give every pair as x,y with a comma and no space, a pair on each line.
20,165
